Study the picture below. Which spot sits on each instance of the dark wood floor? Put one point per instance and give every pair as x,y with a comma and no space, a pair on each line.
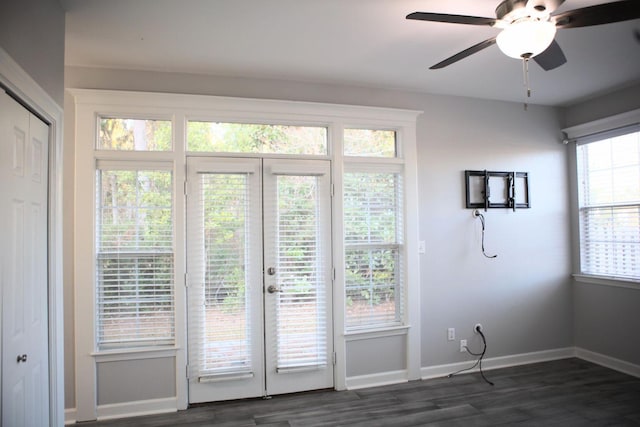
569,392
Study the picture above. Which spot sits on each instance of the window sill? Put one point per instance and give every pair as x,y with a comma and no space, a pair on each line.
607,281
134,354
367,334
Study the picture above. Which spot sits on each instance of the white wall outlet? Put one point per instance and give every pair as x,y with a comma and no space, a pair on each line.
463,346
477,327
422,247
451,334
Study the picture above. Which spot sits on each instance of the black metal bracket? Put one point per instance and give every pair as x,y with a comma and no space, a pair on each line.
510,189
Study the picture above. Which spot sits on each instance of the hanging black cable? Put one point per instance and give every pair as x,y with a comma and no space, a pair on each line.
478,362
477,214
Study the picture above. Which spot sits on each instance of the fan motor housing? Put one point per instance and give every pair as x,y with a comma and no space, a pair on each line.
512,10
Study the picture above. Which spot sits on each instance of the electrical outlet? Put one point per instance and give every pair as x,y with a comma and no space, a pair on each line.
463,346
451,334
477,327
422,247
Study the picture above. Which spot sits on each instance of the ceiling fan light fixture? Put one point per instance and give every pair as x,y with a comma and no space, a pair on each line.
526,38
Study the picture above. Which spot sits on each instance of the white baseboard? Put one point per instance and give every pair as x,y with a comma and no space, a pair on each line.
376,380
69,416
137,408
608,362
439,371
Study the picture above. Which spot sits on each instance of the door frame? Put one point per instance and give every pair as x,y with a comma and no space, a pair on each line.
17,82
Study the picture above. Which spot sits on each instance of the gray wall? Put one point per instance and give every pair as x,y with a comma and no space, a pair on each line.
610,104
604,316
523,298
68,250
606,319
141,377
32,33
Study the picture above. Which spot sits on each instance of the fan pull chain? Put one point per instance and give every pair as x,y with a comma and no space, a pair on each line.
525,76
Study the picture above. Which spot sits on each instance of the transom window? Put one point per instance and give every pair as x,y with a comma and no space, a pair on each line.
216,137
125,134
370,143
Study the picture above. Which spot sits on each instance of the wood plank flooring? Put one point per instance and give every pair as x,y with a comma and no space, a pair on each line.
568,392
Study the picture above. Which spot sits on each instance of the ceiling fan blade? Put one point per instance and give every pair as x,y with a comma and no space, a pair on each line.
551,58
598,14
452,19
461,55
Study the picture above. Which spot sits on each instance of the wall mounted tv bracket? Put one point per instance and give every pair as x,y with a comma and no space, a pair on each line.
490,189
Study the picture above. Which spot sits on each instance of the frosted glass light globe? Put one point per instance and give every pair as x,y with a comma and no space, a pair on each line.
526,38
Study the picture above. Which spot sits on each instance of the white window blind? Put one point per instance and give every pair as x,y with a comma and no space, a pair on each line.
301,307
134,258
219,298
373,248
609,203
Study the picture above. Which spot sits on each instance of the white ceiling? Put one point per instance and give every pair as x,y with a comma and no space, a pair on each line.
354,42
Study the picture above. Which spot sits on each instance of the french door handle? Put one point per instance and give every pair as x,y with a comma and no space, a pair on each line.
271,271
22,358
272,289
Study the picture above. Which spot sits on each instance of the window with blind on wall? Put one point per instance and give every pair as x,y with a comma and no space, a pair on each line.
134,256
373,230
608,167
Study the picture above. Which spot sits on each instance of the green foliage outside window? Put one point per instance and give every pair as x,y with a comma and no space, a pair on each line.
134,134
369,143
212,137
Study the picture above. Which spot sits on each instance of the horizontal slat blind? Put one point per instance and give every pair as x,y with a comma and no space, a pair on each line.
301,308
609,197
373,249
135,259
219,301
611,241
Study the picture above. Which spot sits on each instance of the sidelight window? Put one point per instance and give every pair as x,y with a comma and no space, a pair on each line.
134,257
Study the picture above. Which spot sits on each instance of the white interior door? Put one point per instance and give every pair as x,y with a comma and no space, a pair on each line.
258,266
23,272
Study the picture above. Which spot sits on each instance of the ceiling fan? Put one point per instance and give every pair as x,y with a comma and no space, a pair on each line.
529,27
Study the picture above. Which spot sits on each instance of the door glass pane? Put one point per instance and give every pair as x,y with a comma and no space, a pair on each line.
301,307
227,333
256,138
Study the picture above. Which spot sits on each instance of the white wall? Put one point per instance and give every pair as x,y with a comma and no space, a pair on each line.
523,298
32,32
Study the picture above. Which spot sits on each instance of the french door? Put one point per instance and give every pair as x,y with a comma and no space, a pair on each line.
259,277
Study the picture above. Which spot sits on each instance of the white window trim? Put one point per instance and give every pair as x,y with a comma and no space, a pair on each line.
90,104
607,281
572,134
